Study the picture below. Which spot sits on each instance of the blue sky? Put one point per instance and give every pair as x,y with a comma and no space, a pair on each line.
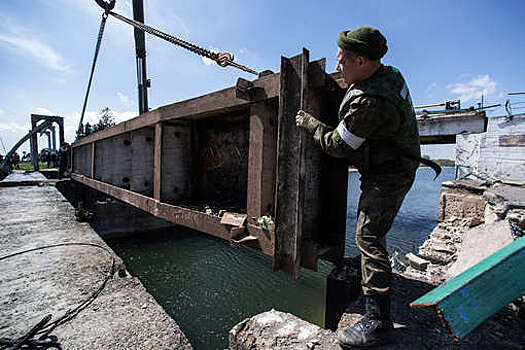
445,49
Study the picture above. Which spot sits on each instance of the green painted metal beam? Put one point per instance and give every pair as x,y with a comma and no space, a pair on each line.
468,299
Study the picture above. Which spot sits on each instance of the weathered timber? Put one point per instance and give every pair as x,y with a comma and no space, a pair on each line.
298,159
157,162
261,169
113,163
287,254
216,103
193,219
175,168
142,161
93,156
220,152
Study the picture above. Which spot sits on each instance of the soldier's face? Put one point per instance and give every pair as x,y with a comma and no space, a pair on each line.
349,65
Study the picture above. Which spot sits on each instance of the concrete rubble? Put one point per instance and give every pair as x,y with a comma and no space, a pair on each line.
280,330
476,220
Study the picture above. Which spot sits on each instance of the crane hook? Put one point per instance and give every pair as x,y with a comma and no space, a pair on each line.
107,6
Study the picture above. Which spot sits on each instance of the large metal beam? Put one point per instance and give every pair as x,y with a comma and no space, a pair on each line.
193,219
140,49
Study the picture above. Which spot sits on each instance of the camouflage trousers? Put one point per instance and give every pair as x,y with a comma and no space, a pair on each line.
379,203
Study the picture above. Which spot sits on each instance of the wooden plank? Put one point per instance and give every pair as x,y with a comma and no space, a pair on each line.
233,219
157,162
261,159
265,241
218,102
468,299
301,165
288,231
92,160
193,219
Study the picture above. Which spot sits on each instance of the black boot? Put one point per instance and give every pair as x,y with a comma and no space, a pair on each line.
373,328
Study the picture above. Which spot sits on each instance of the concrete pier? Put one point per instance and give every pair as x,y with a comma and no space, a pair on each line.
55,280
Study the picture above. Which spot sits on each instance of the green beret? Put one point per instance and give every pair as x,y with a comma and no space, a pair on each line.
366,41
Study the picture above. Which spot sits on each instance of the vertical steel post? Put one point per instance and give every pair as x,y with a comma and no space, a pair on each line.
34,144
140,49
53,137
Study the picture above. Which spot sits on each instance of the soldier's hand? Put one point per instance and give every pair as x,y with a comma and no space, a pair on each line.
306,121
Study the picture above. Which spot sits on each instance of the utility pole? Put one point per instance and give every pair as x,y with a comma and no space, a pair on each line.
140,49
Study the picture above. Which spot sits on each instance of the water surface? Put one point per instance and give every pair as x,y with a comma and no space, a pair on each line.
208,286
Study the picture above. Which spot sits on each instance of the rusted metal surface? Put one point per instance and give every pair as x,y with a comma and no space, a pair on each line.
196,220
216,103
221,152
512,141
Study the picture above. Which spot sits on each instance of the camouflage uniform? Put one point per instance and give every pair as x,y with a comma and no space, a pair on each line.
377,118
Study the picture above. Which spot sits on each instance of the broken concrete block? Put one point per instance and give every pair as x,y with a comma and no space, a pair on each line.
280,330
479,243
461,205
417,262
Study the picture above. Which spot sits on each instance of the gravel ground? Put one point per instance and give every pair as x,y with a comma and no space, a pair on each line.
52,281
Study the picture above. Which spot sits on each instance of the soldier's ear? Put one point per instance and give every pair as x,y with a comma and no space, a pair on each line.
360,60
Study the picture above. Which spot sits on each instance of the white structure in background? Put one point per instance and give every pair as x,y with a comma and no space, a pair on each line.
498,153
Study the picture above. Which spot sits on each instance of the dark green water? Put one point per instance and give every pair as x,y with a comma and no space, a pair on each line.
208,286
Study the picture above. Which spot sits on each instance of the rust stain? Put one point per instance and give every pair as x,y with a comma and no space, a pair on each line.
512,141
445,324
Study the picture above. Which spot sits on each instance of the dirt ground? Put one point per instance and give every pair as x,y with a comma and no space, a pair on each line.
53,281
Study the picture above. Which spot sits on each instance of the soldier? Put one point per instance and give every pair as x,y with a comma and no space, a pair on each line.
64,154
378,134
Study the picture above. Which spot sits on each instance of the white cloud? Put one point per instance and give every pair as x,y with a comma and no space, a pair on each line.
472,90
38,51
44,111
126,101
207,61
14,127
431,87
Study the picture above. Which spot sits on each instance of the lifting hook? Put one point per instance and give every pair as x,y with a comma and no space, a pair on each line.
107,6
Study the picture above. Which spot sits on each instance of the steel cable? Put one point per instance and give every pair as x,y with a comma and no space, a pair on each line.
97,49
221,59
45,329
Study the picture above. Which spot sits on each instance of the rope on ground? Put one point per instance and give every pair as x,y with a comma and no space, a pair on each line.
43,328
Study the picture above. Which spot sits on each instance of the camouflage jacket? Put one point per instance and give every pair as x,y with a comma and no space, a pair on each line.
377,124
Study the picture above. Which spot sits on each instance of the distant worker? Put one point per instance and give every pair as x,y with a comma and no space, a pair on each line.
15,160
377,134
64,154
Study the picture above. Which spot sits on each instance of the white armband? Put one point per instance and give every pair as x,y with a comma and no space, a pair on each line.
350,139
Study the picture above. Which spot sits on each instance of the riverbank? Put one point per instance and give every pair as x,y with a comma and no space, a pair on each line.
57,280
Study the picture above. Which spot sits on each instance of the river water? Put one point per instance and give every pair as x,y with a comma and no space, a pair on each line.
208,286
